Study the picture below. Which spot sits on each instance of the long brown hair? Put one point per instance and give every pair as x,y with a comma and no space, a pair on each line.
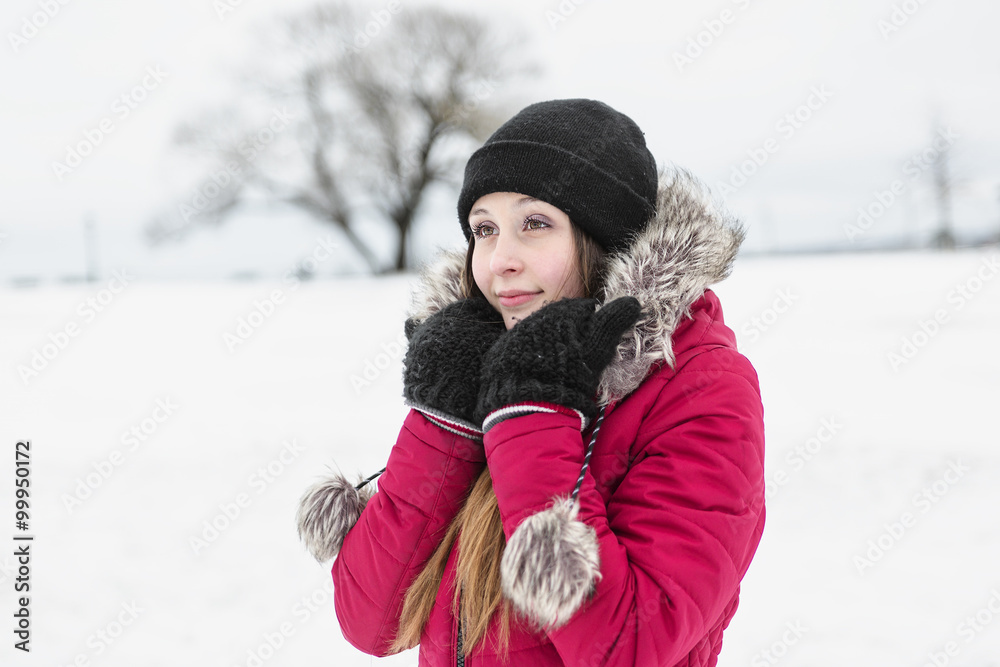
477,526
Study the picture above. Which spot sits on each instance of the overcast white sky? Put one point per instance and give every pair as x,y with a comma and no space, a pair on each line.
881,91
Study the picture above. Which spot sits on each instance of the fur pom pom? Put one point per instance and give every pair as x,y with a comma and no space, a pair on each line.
551,565
328,509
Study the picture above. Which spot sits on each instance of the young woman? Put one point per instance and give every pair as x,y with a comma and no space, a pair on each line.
580,478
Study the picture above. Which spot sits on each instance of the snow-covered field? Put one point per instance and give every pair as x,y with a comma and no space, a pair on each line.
167,459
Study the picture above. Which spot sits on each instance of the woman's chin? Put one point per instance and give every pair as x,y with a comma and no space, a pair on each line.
510,319
512,316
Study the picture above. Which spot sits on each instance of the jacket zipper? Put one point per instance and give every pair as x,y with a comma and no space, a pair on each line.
459,657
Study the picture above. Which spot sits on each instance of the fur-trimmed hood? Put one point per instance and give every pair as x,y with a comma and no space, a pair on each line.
552,560
689,244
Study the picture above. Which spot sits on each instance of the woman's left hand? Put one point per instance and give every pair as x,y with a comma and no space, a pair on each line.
555,355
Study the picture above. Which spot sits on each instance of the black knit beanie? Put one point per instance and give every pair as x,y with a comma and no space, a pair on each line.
581,156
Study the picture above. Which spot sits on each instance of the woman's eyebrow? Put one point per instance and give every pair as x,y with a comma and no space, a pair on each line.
520,203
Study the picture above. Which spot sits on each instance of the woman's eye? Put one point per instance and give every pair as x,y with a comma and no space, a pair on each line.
482,231
535,223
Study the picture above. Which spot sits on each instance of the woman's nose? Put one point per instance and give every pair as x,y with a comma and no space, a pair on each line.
506,255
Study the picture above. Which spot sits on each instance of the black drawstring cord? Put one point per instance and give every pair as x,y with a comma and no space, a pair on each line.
460,657
586,458
362,484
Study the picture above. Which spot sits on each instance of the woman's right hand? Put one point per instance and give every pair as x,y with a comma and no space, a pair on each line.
441,370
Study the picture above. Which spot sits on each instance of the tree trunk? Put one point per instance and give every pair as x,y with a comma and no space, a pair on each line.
404,234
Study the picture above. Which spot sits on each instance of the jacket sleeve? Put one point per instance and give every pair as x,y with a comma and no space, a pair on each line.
676,536
427,477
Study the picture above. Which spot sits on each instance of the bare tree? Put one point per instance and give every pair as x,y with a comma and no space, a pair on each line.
360,115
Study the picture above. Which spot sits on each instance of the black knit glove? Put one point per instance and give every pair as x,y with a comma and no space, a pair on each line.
444,356
555,355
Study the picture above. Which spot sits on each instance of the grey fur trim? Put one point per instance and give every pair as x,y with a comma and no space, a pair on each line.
328,509
440,284
551,565
689,245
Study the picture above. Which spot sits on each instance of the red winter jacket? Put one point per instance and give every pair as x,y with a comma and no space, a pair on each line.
675,488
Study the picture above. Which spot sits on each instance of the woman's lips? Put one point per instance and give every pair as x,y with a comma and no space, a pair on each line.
515,300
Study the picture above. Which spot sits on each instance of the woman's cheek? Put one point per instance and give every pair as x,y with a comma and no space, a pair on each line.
480,272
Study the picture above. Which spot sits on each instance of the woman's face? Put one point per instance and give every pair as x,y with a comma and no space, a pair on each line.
524,254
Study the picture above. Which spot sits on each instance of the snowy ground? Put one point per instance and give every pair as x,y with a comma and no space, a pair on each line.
882,540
